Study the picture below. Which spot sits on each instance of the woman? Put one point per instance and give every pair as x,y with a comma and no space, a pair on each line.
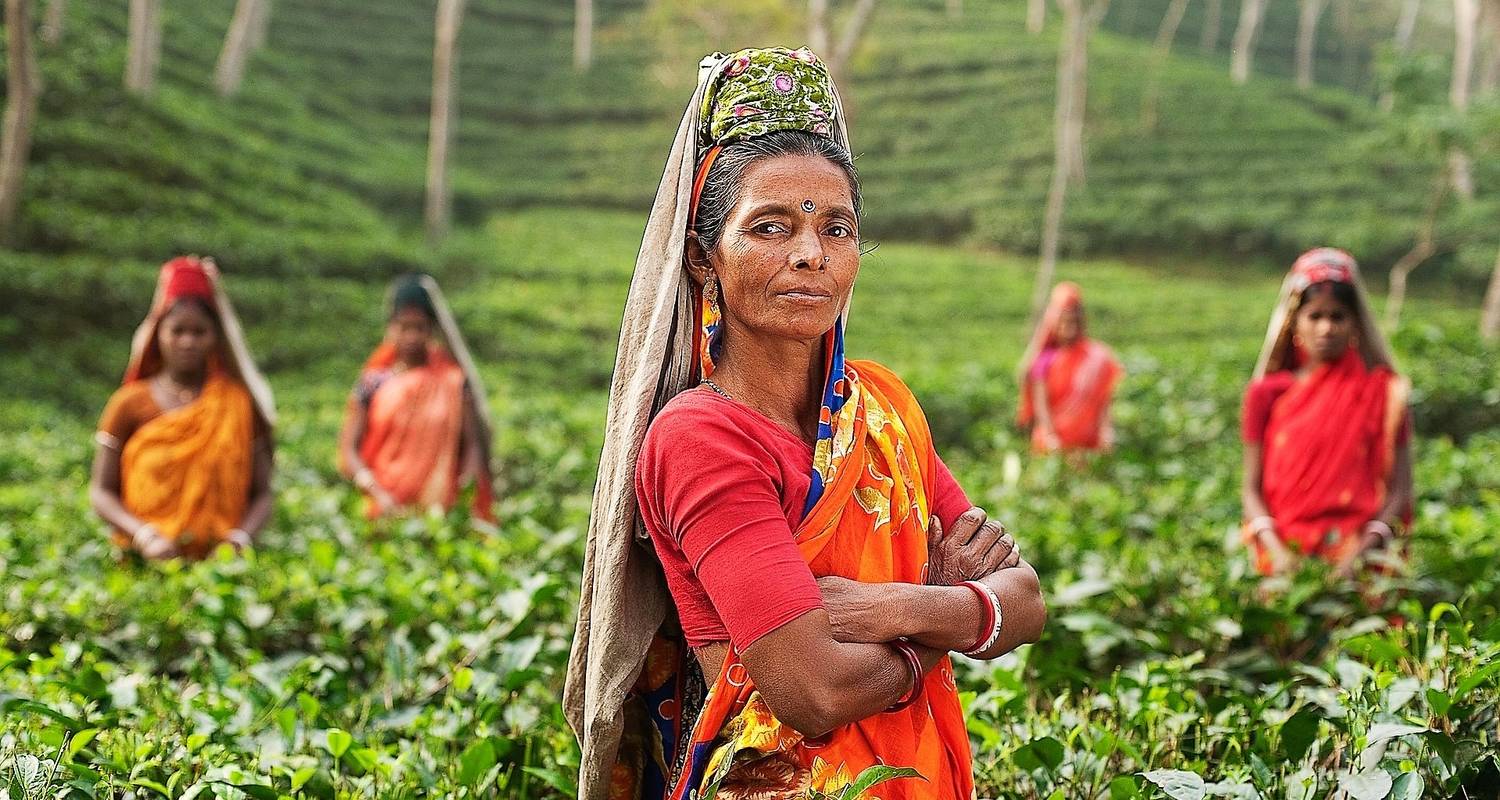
183,462
1325,426
1067,380
785,494
416,429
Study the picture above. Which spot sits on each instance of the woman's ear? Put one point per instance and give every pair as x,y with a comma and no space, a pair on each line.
699,260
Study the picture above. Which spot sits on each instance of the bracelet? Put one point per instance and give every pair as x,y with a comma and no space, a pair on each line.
135,537
1381,528
914,666
364,479
238,536
986,615
998,620
1262,523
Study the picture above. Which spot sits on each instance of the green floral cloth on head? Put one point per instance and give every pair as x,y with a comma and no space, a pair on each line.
763,90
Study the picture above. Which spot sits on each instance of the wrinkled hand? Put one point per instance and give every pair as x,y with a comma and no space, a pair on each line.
854,610
976,546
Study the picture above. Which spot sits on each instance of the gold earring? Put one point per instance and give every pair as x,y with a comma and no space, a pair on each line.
711,290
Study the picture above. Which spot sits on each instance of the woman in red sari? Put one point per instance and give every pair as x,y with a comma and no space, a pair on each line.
1067,380
778,564
416,430
1325,426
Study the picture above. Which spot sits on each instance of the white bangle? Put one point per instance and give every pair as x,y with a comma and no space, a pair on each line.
994,636
364,479
1381,528
1264,522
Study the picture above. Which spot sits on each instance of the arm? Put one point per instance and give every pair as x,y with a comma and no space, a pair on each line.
353,467
1401,492
1255,508
104,496
1043,413
258,511
475,464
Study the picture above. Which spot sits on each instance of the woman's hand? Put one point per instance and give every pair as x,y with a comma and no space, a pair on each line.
1051,440
1282,559
856,610
150,543
977,546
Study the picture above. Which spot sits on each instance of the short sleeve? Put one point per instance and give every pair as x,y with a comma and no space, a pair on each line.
948,498
718,493
1260,396
126,411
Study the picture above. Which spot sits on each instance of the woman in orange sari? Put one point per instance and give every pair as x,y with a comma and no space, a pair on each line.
415,429
1325,426
1067,380
183,463
778,563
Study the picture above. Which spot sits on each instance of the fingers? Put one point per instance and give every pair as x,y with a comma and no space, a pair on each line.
1013,556
984,540
968,525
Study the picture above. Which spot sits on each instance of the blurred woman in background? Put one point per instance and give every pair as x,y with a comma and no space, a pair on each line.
1067,380
183,462
416,429
1327,435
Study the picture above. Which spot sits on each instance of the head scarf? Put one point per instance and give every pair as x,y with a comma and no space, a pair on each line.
1066,296
624,599
191,276
1320,265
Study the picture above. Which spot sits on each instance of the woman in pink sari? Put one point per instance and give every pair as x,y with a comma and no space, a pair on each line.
1067,380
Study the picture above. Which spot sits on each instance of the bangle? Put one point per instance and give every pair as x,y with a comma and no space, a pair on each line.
914,667
996,617
364,479
238,536
1262,523
986,615
1382,529
135,538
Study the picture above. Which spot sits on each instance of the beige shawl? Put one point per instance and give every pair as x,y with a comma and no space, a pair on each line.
1276,350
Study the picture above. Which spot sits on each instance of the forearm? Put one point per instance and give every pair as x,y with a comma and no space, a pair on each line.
109,507
948,618
257,513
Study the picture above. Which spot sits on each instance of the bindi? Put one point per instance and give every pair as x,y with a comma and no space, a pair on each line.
809,206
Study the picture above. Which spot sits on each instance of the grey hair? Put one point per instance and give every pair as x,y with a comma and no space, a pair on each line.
726,178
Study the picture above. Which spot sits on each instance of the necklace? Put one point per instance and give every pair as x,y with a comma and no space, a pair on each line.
718,390
182,393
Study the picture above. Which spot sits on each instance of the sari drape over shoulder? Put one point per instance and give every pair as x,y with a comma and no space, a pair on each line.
188,471
1329,437
1079,380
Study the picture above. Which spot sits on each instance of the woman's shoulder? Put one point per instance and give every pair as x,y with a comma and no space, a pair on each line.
1271,383
881,374
698,414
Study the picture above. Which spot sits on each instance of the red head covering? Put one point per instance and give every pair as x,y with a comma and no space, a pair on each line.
184,276
1323,265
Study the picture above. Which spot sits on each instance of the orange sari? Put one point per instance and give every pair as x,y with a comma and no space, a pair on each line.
869,525
1078,380
413,439
188,471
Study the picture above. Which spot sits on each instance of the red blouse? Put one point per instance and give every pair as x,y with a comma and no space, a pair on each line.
721,488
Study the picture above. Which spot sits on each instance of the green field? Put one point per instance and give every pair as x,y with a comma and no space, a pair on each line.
419,659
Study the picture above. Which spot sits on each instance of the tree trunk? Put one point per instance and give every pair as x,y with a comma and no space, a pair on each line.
1465,31
444,113
1208,40
1423,250
23,84
1063,117
143,48
1489,319
1246,35
52,25
956,9
1406,27
1489,77
239,44
1307,41
1165,35
854,28
261,26
1036,15
817,27
583,34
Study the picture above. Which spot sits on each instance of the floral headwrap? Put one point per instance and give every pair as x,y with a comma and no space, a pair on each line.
1319,265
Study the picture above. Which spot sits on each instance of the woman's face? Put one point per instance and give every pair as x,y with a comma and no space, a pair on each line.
1069,325
789,254
410,330
186,337
1325,326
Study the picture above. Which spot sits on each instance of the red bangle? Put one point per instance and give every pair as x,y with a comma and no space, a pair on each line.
986,615
914,666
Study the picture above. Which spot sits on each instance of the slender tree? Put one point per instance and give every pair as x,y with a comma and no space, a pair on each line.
1246,36
1406,28
438,211
1213,16
1079,19
1425,247
1489,319
143,46
817,27
1166,33
52,24
239,44
1465,30
1489,77
1307,40
1036,15
23,84
261,26
583,34
956,9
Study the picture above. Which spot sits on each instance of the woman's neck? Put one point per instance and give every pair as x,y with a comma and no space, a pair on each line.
780,378
186,378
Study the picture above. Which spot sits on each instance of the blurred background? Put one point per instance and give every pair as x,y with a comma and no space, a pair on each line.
1172,156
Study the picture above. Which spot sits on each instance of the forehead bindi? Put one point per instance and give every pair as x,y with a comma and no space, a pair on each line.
805,184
